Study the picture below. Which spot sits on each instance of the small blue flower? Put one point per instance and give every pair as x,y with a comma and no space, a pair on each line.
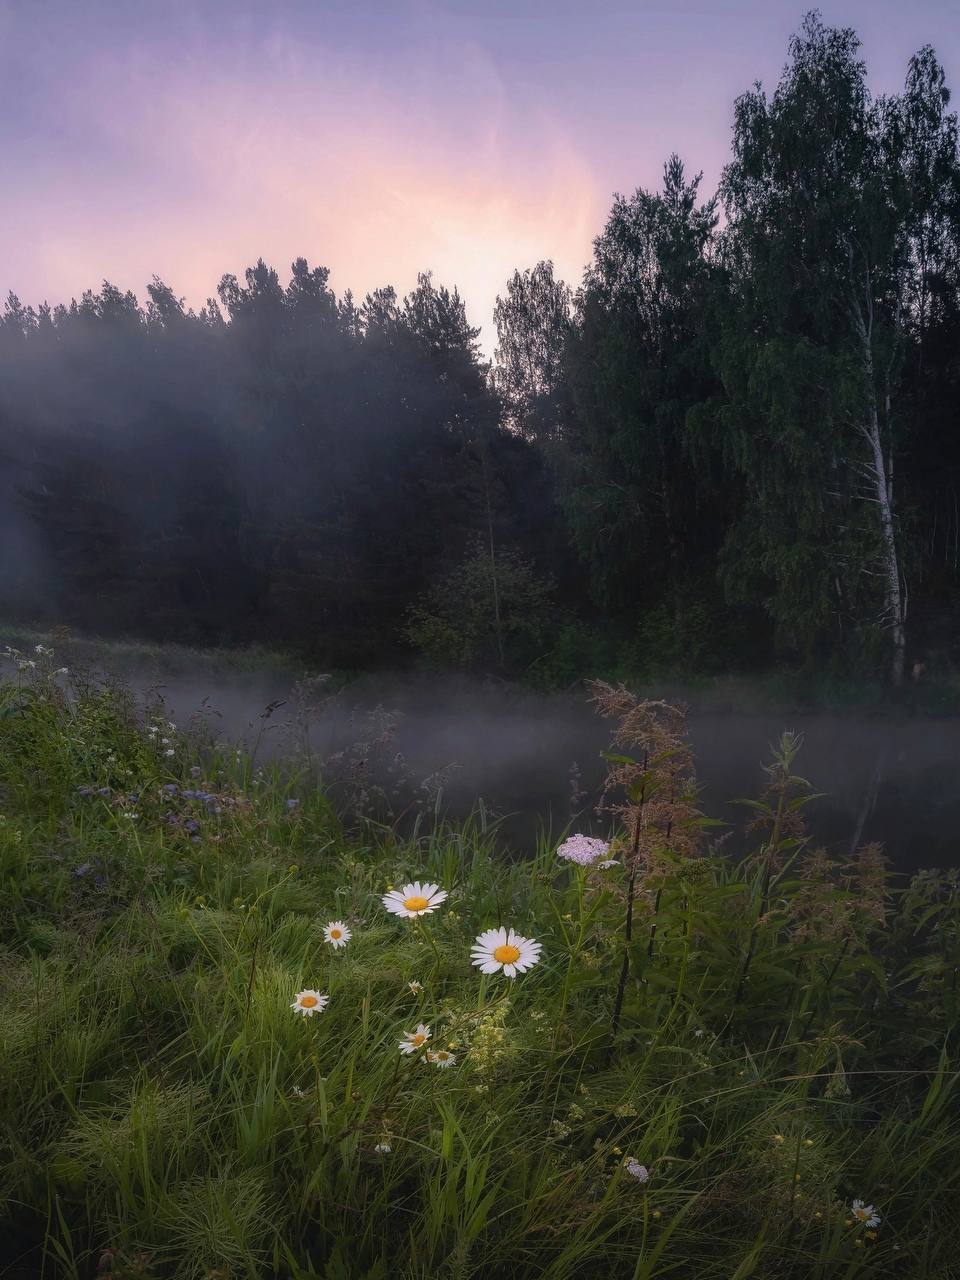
170,788
292,804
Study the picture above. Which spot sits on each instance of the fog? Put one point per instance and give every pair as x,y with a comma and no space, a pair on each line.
884,778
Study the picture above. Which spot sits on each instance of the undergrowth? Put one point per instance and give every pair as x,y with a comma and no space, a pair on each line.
712,1070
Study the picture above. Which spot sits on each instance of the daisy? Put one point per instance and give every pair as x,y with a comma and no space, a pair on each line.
337,933
414,899
865,1214
415,1040
504,949
309,1002
636,1169
586,850
441,1058
415,986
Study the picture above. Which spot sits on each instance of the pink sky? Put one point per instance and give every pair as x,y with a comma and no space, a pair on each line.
379,139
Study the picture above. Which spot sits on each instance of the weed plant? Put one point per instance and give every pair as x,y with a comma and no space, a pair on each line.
711,1070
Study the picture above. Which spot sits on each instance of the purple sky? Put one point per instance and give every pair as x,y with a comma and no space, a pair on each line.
377,138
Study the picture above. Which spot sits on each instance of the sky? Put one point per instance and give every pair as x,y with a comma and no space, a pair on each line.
378,138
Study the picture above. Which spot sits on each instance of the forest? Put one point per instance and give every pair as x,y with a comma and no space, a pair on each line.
733,444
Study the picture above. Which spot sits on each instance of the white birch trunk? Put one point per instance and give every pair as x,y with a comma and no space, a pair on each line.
883,489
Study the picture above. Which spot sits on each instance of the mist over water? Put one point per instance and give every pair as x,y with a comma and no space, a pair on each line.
884,778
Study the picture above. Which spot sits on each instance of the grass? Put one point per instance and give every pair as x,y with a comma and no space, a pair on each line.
786,1040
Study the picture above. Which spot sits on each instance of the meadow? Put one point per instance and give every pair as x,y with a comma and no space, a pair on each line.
244,1035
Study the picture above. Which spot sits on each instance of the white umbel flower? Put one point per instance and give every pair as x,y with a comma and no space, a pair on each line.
414,899
310,1002
636,1169
415,1040
504,949
584,850
337,933
441,1057
865,1214
383,1148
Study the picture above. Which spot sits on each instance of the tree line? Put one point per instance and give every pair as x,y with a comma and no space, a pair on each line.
734,443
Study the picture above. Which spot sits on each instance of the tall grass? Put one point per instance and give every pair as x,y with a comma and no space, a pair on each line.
782,1042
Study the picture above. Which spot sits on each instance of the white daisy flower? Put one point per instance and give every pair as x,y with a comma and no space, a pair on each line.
504,949
415,1040
309,1002
865,1214
415,986
636,1169
441,1057
414,899
169,752
337,933
383,1148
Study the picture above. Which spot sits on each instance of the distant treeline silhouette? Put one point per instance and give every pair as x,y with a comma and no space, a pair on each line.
736,442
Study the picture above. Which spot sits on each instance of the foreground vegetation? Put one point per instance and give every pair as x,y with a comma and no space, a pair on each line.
708,1070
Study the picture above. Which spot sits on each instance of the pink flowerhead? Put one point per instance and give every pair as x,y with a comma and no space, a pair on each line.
585,850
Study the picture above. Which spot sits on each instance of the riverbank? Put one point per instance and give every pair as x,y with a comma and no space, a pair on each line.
752,1078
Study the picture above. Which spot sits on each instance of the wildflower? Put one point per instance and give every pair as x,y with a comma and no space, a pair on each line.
504,949
169,751
415,987
778,1137
865,1214
636,1169
441,1058
195,771
292,804
608,862
309,1002
298,1092
656,1214
585,850
164,742
337,933
383,1148
415,1040
414,899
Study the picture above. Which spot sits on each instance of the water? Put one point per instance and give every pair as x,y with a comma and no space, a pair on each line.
886,779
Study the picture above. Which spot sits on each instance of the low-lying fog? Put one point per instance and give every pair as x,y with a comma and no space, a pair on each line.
886,779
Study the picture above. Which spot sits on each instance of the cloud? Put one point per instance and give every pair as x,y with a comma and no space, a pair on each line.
193,167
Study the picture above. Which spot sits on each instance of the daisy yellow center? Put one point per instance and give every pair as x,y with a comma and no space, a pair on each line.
307,1002
416,903
442,1056
506,954
336,933
861,1214
419,1038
